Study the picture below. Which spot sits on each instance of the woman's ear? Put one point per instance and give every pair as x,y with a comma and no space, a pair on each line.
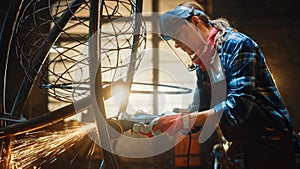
200,25
195,21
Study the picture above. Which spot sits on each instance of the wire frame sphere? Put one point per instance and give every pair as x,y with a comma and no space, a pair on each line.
63,70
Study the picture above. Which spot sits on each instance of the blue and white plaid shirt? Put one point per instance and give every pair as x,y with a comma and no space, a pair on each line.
249,85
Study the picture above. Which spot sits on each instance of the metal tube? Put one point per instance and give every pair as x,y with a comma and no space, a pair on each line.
46,119
110,159
137,21
155,55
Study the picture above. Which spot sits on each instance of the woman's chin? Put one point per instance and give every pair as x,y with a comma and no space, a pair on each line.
190,52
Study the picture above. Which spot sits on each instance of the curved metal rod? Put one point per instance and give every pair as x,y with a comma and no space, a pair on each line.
40,56
8,28
181,90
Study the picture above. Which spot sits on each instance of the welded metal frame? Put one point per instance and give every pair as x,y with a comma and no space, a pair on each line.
7,132
40,57
23,93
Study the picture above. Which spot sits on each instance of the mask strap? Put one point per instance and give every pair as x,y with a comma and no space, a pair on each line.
190,67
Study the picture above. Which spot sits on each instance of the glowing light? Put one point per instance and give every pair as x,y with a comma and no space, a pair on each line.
120,91
39,147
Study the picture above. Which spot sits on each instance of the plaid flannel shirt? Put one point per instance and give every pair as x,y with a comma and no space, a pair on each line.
249,84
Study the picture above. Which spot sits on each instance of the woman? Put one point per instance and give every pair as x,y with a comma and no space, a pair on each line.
252,115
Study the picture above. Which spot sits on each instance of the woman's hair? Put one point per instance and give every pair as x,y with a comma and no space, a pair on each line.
192,5
224,22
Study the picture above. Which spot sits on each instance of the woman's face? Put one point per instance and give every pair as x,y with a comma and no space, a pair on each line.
189,38
182,46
